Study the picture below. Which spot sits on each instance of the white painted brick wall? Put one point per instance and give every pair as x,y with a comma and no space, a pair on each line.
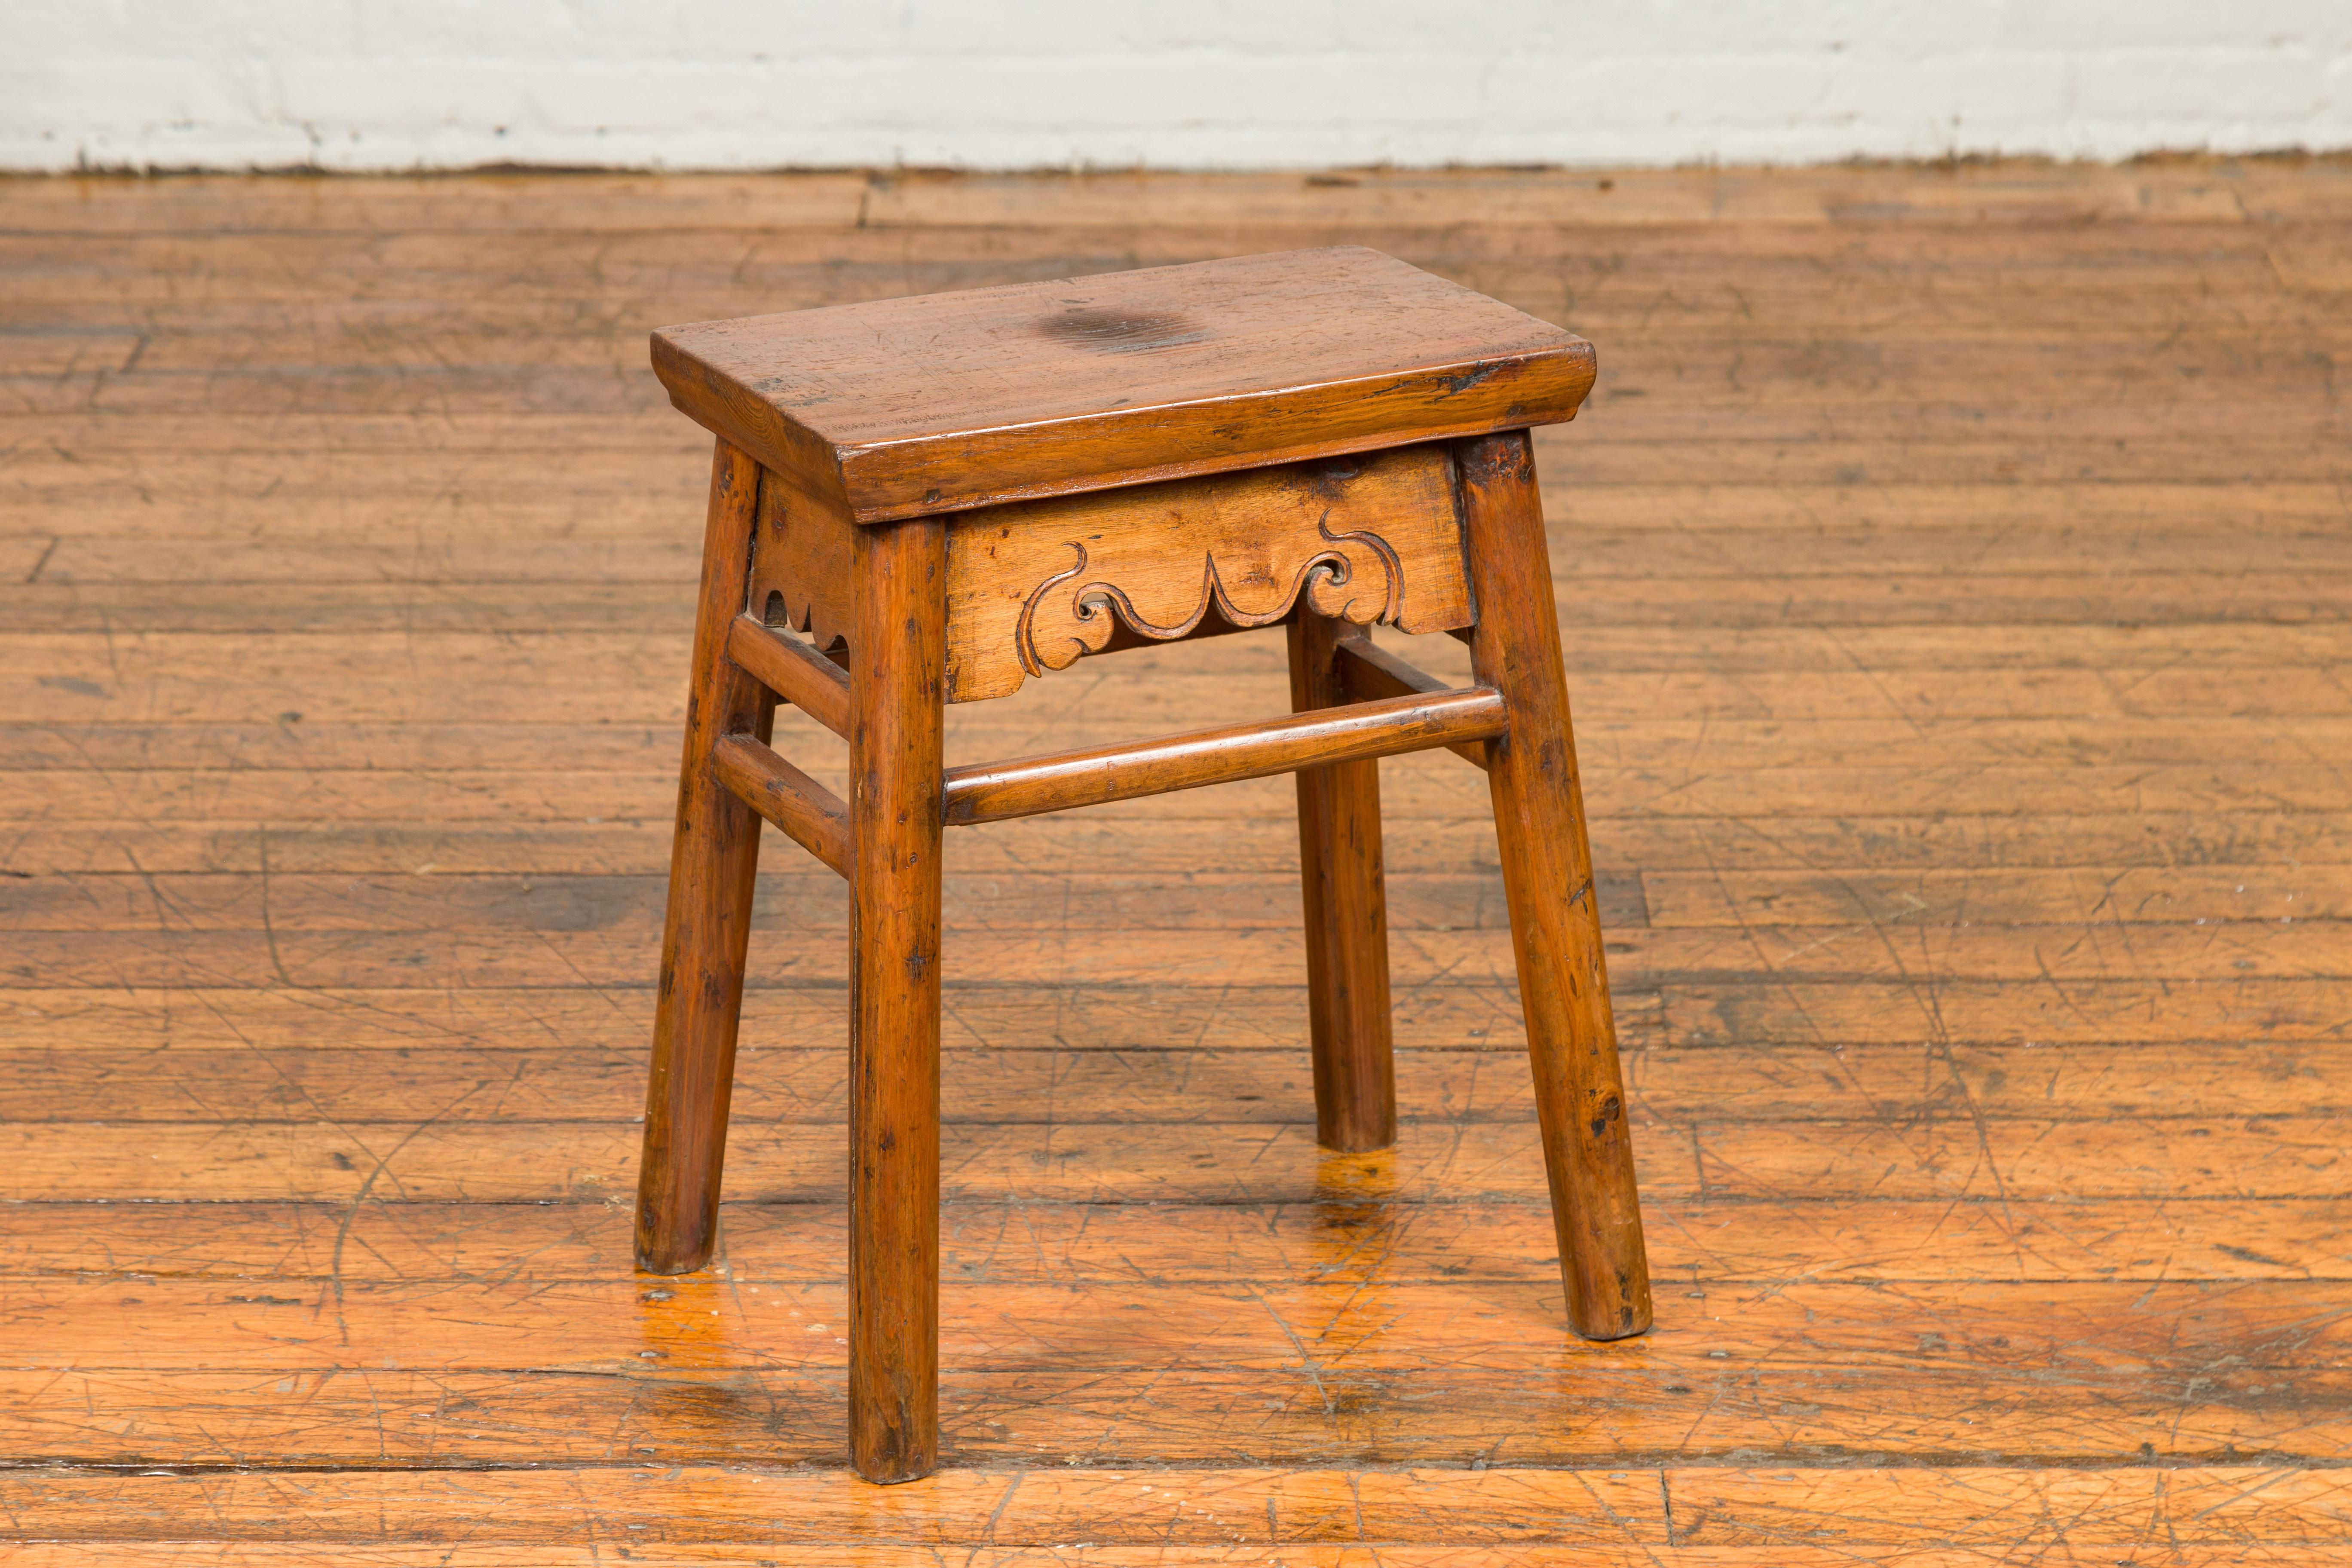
1008,84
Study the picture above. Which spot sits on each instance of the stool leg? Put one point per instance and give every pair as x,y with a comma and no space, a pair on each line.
1547,876
714,859
1346,915
897,655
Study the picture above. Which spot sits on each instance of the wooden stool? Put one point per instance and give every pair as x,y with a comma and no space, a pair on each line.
966,491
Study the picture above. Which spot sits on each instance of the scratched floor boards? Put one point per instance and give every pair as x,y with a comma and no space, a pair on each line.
1956,576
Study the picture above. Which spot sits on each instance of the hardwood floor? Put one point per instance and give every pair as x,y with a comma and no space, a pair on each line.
1956,590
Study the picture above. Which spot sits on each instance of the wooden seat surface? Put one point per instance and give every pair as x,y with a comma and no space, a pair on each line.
901,407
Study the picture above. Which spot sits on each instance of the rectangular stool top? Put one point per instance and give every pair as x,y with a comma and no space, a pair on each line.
942,402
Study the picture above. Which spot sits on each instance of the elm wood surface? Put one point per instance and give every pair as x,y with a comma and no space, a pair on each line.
1131,770
897,681
802,575
712,870
1368,672
1554,899
1007,604
1024,589
1034,587
810,815
794,671
1345,897
1849,673
900,407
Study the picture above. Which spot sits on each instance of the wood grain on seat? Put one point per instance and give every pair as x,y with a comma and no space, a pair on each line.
901,407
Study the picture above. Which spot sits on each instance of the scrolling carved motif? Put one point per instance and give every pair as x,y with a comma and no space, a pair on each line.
1036,586
1069,615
